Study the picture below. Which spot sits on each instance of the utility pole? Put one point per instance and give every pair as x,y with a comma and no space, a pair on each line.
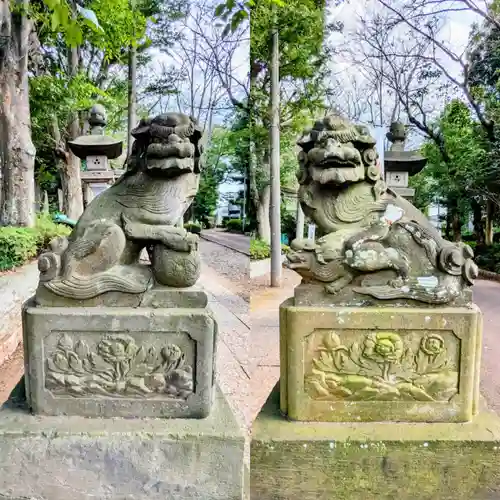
275,160
132,89
244,214
299,228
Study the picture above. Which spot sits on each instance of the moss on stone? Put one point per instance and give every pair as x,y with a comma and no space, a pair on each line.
383,461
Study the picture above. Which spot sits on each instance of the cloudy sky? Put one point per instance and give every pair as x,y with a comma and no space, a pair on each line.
454,34
456,31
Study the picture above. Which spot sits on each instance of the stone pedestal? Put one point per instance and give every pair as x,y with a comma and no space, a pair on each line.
121,355
62,457
349,364
383,461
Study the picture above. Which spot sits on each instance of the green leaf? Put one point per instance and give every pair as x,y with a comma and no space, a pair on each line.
220,9
226,31
55,21
235,22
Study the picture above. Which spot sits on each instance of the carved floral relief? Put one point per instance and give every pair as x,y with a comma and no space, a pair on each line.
116,366
382,366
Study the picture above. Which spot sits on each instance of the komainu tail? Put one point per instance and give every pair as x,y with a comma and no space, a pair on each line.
82,288
428,290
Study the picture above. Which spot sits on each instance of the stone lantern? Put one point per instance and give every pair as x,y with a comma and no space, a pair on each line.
96,149
400,165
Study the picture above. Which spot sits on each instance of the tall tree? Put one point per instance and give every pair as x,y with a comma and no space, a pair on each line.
301,85
400,50
216,167
77,71
425,20
17,152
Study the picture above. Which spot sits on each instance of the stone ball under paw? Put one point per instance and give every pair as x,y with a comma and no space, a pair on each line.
177,269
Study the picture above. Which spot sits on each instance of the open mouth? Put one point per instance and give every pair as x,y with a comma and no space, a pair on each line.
334,162
171,166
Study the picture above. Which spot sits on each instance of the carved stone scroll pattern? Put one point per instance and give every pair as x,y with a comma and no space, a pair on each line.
382,366
117,367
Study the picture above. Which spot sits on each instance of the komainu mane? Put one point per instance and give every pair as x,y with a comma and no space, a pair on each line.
376,244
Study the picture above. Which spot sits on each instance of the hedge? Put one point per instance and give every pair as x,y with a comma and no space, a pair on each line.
487,257
192,227
260,250
235,225
20,244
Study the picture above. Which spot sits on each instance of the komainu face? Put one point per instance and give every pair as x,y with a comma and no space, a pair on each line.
168,145
335,151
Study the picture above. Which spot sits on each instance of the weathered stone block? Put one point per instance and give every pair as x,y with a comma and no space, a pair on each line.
162,297
380,364
119,361
368,460
62,458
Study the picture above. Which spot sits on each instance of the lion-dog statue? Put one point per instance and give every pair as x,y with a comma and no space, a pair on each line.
141,210
376,243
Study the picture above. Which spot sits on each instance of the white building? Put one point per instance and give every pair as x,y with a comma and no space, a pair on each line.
229,191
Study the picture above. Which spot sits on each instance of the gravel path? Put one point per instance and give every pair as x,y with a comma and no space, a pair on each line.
234,241
232,265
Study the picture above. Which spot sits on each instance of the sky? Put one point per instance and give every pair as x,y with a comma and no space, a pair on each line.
455,34
238,61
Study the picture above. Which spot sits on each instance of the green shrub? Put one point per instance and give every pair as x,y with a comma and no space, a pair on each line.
20,244
488,257
260,250
17,245
235,225
47,230
192,227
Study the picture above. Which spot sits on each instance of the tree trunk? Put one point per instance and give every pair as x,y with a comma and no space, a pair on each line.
263,220
132,95
70,169
447,226
477,221
456,225
17,152
275,213
490,215
299,222
71,185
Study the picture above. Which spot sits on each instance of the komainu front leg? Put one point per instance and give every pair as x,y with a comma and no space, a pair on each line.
172,237
337,285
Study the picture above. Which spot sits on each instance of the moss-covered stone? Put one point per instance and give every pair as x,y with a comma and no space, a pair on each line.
76,458
364,364
365,461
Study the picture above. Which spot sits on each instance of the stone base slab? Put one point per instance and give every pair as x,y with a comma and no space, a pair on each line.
119,361
156,297
362,364
383,461
62,458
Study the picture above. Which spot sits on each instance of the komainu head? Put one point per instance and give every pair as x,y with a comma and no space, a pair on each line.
336,151
167,145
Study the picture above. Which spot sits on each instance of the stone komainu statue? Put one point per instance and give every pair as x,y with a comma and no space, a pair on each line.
139,211
377,245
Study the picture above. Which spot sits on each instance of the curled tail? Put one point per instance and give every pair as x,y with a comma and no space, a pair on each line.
428,290
87,287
